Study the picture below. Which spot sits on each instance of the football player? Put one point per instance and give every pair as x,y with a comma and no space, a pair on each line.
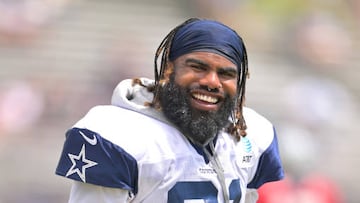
184,136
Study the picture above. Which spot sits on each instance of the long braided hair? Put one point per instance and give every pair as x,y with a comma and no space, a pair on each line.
238,126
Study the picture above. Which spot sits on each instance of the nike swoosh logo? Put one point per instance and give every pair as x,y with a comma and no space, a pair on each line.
92,141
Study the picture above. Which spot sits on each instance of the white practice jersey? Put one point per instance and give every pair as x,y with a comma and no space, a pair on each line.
118,148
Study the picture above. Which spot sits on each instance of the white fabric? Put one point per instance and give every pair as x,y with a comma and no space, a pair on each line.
165,157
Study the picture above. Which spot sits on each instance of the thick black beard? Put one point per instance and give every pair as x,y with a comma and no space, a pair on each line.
199,126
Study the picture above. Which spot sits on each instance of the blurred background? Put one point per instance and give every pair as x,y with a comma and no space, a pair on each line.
58,58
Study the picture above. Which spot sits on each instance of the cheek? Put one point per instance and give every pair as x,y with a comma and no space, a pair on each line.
183,78
230,88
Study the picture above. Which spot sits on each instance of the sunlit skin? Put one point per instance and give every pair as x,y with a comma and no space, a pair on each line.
201,71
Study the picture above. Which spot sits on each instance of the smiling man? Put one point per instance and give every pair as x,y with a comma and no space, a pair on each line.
183,137
200,94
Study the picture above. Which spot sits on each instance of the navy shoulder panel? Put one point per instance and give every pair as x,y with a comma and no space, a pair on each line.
90,158
270,166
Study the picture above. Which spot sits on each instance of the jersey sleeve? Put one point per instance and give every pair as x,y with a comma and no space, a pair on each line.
87,157
269,167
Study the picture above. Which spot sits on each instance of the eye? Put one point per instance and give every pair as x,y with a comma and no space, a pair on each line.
197,67
227,73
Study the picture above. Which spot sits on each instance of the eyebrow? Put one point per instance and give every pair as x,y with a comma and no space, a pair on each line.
192,60
202,63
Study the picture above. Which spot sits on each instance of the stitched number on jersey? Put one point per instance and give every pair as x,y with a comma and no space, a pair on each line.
205,191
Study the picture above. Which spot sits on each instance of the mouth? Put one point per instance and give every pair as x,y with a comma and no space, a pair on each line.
205,98
205,102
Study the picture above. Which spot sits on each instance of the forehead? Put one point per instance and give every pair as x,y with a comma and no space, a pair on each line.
207,58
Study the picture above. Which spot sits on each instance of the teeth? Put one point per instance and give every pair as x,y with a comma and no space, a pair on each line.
206,98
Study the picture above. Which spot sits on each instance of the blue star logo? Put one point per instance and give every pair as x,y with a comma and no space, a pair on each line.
80,164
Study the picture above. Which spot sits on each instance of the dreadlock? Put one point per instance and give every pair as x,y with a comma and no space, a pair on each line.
238,126
164,51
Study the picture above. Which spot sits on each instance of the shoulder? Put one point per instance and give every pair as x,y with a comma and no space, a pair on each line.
108,120
253,118
259,129
109,142
262,136
126,128
109,114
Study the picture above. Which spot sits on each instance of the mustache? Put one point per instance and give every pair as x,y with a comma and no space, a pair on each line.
205,88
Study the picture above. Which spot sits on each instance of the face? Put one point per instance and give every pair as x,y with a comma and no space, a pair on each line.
203,71
200,94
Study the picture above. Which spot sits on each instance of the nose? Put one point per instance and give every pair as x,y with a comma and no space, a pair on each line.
211,80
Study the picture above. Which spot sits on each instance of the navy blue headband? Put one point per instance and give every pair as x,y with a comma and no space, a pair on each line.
209,36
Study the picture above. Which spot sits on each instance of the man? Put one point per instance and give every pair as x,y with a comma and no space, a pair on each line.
183,137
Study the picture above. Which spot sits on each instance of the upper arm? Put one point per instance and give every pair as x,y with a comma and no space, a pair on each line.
88,157
89,193
269,167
